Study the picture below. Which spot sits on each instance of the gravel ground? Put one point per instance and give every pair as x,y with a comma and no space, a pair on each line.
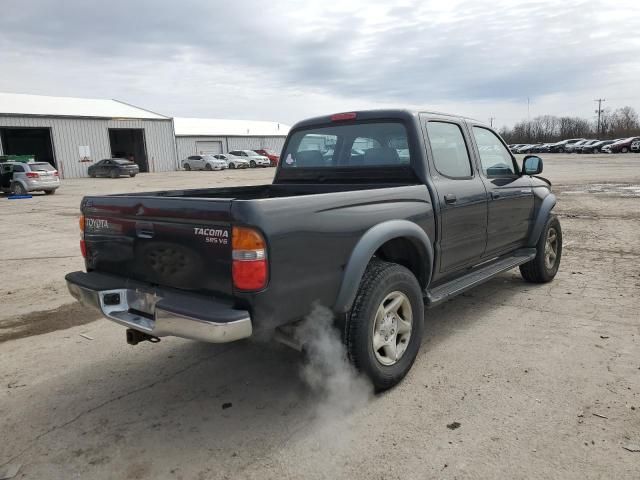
513,381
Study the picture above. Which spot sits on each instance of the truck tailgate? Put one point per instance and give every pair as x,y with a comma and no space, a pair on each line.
177,242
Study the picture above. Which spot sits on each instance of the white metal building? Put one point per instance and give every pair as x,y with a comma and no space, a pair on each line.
73,133
197,136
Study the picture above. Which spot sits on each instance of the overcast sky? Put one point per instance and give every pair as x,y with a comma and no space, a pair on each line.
284,60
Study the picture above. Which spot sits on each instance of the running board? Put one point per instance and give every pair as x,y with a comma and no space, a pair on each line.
477,276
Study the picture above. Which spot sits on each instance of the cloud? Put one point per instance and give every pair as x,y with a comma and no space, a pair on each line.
195,57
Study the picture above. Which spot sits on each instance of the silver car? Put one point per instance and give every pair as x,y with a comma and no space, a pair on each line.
203,162
233,161
254,159
21,178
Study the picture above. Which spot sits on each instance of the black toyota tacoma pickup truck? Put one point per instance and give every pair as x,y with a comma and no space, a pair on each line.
373,214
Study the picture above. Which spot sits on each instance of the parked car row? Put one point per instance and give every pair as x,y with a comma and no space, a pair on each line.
233,159
580,145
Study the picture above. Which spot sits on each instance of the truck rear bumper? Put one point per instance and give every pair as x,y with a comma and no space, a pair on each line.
160,312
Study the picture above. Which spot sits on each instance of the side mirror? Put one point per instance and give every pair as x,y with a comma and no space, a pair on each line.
531,165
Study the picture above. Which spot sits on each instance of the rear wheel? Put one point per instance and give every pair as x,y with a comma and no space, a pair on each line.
49,192
132,175
92,175
383,331
18,189
544,266
187,167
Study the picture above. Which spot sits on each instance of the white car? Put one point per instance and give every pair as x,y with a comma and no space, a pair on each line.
20,178
254,159
203,162
232,161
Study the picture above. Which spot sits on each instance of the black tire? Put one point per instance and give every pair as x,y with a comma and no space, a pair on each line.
232,166
18,189
380,280
93,175
538,270
114,174
207,167
624,150
187,167
132,175
252,164
49,192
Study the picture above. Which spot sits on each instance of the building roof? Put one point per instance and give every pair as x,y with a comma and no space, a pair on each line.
215,127
25,104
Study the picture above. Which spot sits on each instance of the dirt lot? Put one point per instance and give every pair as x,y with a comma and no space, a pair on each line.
544,381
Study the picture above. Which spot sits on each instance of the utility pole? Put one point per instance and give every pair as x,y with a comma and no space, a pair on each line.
599,111
491,119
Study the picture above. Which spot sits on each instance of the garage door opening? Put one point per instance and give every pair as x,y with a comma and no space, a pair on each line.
28,141
129,143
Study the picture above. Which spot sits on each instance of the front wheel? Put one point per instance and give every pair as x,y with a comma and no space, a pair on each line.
49,192
624,150
383,331
132,175
207,167
252,164
544,267
232,166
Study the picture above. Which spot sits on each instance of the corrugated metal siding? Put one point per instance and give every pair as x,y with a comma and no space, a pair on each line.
187,145
67,134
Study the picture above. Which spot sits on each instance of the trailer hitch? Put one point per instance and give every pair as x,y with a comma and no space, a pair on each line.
134,337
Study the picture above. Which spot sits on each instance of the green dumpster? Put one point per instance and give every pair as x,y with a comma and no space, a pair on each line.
18,158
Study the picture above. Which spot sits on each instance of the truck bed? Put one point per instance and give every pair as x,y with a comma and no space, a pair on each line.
182,238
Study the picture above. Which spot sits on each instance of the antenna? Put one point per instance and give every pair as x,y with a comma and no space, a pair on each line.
599,111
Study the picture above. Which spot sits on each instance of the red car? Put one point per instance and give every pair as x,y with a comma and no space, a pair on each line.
273,157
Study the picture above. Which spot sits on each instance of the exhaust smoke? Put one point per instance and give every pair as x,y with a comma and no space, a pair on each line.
339,387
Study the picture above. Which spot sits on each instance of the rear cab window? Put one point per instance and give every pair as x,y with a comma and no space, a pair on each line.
352,146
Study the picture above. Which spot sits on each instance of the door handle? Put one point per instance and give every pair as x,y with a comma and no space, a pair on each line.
495,195
450,198
144,230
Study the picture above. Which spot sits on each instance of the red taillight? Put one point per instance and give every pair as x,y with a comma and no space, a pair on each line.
55,173
32,175
340,117
249,268
83,245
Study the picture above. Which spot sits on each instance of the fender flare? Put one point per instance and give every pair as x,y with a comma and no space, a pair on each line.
364,250
543,214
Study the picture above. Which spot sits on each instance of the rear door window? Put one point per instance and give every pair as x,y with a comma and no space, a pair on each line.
450,153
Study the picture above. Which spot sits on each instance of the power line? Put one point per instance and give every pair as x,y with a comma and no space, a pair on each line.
599,111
